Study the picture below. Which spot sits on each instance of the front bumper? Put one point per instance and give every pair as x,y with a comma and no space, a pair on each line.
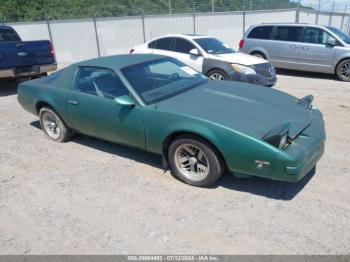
254,79
295,172
259,80
27,71
303,154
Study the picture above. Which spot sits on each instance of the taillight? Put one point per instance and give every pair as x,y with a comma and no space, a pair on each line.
52,51
241,43
132,51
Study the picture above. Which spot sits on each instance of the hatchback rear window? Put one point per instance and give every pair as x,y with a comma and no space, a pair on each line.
8,35
261,32
288,33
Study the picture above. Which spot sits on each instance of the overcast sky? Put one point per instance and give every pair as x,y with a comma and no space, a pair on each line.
326,5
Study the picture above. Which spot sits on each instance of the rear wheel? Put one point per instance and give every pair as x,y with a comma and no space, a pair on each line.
217,74
343,70
258,54
53,126
194,161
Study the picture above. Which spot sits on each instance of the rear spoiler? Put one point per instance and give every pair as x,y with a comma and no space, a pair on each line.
306,101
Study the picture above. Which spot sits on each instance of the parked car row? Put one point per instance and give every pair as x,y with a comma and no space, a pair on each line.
302,47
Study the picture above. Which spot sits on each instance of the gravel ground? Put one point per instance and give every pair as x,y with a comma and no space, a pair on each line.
92,197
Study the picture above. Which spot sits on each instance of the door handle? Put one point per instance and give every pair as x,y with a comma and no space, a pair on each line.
306,47
72,102
293,47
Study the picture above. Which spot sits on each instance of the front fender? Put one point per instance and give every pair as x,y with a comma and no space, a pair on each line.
240,152
210,64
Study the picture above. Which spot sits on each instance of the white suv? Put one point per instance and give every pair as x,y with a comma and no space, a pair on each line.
211,57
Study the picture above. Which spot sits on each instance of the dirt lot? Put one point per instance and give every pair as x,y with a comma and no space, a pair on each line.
88,196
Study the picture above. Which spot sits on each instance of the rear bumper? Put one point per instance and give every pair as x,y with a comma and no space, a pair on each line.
28,71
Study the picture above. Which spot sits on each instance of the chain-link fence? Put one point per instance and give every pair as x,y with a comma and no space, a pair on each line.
79,39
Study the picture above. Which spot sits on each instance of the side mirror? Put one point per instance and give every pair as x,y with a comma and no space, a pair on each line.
195,52
124,101
331,41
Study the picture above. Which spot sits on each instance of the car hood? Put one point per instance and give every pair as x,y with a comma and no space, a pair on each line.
250,109
238,58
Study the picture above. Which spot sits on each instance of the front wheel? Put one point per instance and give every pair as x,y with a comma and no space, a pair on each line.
343,70
217,75
53,126
194,161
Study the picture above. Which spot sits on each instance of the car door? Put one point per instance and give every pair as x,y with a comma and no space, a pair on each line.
93,111
163,46
182,49
285,46
315,54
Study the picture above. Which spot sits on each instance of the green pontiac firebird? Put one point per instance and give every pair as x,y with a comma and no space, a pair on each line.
200,127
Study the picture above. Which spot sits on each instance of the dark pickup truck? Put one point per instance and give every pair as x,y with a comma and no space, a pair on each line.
24,58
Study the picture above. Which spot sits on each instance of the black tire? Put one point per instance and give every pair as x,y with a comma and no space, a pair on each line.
343,70
217,72
64,133
211,156
258,54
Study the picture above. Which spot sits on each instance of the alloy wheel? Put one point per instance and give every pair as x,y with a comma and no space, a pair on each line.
192,162
345,70
51,126
216,76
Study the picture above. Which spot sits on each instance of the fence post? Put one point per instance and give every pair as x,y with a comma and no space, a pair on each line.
331,15
297,14
343,18
244,21
169,3
318,12
143,25
244,17
96,36
194,20
49,29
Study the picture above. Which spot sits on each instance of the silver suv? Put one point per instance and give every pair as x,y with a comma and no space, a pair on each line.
302,47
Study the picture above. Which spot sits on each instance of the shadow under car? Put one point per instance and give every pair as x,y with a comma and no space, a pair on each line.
254,185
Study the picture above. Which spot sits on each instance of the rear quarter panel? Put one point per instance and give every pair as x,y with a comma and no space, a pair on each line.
52,90
256,45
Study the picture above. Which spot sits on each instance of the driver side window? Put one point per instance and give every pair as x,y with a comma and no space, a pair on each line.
100,82
315,36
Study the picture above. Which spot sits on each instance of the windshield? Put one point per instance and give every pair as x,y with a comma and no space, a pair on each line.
8,35
163,78
340,34
214,46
